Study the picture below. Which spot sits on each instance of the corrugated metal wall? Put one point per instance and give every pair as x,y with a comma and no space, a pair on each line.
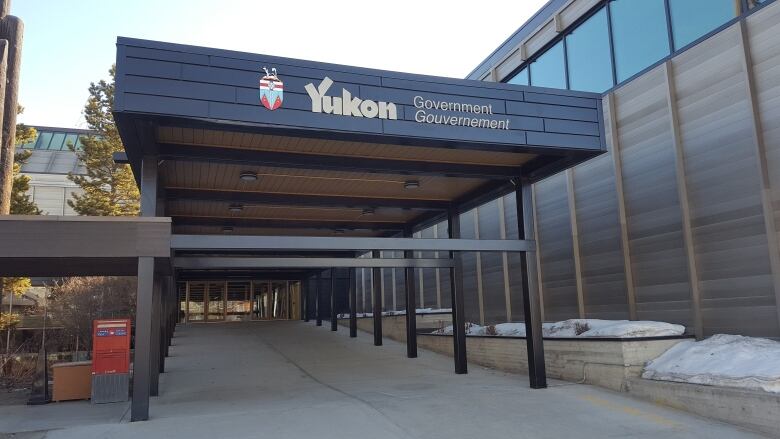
678,222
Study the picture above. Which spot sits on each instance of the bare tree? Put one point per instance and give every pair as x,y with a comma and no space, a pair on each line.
77,301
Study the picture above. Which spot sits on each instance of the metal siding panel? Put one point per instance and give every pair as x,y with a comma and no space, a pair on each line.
763,27
599,238
557,259
724,188
652,205
494,300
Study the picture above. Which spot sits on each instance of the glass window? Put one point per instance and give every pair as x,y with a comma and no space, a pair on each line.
43,140
30,144
639,33
693,18
587,50
548,70
79,145
56,141
753,3
520,78
70,140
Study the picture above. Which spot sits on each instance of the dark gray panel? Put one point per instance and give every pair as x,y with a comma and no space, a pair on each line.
493,296
557,260
603,273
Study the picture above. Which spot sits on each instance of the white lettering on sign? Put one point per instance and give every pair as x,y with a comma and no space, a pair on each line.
347,105
422,116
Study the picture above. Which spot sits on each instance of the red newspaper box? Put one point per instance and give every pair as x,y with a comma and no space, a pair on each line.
110,347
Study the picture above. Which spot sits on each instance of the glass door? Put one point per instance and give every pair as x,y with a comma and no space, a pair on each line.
215,305
238,302
194,309
280,308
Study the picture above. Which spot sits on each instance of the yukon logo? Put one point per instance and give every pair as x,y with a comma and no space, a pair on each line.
271,90
346,105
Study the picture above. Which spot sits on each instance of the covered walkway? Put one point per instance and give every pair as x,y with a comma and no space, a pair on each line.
293,379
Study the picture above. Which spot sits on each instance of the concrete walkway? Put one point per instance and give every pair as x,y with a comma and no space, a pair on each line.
294,380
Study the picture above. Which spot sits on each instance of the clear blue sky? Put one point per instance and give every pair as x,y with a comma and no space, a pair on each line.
68,44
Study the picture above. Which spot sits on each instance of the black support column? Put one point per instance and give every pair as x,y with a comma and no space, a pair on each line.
458,306
411,308
352,302
154,378
334,321
531,307
318,297
305,302
377,300
139,406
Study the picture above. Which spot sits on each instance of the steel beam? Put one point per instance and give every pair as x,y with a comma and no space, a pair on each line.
249,157
217,262
334,322
318,296
139,407
531,306
352,303
376,299
345,243
292,199
458,304
266,223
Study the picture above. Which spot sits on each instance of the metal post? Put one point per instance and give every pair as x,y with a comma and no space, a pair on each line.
154,377
318,296
458,305
377,300
531,309
352,302
139,407
334,321
411,309
187,302
305,302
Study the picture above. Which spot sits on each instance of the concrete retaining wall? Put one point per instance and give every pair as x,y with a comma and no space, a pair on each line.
759,411
606,363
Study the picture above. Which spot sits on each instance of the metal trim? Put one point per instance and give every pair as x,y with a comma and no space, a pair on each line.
318,243
206,263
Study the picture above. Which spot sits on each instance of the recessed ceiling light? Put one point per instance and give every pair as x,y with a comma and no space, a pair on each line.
248,176
227,229
411,184
236,207
367,211
339,231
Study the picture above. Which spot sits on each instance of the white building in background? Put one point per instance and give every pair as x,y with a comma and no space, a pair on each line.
48,168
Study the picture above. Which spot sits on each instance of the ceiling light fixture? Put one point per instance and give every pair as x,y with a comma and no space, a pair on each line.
339,231
367,211
248,176
227,229
411,184
236,207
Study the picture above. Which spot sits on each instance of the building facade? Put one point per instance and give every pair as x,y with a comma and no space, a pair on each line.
49,165
678,222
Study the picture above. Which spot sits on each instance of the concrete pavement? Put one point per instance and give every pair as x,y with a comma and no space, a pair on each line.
294,380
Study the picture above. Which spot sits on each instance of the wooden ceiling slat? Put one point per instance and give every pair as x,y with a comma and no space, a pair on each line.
357,149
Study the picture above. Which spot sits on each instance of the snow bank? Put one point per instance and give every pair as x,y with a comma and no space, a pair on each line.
721,360
579,328
400,313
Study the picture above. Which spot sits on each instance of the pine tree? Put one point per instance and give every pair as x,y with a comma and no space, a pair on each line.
109,188
21,204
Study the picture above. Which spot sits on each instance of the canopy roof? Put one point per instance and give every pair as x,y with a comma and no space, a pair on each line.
452,144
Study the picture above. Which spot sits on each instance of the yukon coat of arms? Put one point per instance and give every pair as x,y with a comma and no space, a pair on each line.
271,90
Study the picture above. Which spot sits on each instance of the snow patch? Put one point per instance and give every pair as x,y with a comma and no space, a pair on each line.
578,328
721,360
399,313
